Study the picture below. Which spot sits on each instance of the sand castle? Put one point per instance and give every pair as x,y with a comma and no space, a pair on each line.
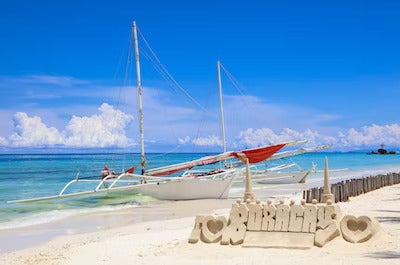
253,223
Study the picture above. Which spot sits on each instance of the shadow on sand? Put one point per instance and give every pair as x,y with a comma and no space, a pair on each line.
384,255
388,219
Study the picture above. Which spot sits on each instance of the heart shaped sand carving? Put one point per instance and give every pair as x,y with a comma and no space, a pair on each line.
357,230
213,228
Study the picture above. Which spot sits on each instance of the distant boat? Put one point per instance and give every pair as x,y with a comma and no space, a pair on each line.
382,151
281,174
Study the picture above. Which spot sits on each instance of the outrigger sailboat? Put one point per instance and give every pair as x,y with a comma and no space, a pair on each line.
185,187
157,182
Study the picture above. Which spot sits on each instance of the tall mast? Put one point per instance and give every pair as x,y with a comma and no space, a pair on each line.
221,107
139,93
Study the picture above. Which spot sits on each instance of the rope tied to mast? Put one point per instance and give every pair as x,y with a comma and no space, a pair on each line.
166,75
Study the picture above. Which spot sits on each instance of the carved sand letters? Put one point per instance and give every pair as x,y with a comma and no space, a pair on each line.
268,221
282,217
256,224
296,218
255,219
196,232
310,218
327,226
236,230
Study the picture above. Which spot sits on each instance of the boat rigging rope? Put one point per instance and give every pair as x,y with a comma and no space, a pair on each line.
243,92
234,81
158,69
121,100
168,75
147,52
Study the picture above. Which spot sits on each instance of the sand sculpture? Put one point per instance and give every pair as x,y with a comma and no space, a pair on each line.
253,223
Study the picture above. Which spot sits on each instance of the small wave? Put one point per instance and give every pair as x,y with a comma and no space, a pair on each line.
55,215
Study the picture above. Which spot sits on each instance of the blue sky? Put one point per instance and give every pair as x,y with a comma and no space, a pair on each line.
327,72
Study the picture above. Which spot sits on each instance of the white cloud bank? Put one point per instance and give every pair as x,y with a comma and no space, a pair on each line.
352,139
103,130
265,136
108,129
371,136
211,140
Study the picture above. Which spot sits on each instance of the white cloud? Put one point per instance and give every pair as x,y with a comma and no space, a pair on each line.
103,130
31,131
211,140
184,140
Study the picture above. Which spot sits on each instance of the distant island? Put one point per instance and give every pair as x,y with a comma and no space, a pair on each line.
382,151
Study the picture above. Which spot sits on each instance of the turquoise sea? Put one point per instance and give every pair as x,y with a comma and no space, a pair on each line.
37,175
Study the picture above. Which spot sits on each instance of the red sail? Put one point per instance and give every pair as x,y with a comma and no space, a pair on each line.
256,155
131,170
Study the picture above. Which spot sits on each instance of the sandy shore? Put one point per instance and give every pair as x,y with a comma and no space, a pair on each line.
165,241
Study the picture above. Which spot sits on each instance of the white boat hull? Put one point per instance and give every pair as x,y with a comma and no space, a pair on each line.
189,189
280,177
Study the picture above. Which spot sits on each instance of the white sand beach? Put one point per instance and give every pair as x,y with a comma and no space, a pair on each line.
164,241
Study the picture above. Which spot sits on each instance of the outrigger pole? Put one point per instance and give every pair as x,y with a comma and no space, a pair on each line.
139,93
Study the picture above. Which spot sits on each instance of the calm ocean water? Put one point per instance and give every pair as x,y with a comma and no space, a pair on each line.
37,175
